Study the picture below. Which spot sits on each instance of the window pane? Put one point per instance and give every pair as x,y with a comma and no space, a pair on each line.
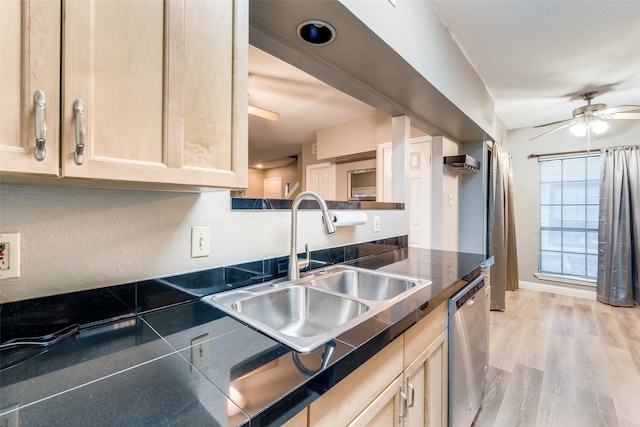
593,216
550,216
551,240
593,168
551,193
574,264
574,192
551,262
592,243
574,241
551,171
592,266
574,169
573,216
593,192
569,216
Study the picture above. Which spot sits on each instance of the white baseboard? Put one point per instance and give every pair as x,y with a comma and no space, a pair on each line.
560,290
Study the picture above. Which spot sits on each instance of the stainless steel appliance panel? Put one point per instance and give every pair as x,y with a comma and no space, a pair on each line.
467,317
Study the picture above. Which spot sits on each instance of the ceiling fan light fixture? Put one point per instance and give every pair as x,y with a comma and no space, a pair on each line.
265,114
316,32
599,126
579,129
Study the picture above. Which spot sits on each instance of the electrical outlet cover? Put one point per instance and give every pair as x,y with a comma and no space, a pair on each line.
10,262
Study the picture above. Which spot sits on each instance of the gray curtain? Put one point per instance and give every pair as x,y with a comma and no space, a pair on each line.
502,230
619,226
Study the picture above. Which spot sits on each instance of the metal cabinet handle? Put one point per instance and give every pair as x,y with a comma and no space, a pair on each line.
40,121
405,406
413,393
78,107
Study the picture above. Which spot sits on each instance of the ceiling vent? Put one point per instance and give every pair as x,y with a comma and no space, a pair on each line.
463,163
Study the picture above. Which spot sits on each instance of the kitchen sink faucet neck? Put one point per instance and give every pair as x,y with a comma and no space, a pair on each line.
329,228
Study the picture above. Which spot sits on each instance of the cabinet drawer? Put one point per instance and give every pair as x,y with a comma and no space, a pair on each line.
423,333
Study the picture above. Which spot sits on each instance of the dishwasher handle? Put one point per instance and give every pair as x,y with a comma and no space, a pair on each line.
466,294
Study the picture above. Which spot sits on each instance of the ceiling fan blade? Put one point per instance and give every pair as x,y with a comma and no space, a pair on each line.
626,116
265,114
619,109
554,123
571,122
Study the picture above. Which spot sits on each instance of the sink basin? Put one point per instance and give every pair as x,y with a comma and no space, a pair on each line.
364,284
300,311
311,311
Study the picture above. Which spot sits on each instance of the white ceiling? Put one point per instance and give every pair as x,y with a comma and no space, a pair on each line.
535,57
304,103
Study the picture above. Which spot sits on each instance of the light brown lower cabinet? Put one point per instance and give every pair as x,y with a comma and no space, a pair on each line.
405,384
299,420
426,386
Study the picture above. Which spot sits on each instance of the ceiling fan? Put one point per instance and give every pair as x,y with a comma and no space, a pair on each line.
591,117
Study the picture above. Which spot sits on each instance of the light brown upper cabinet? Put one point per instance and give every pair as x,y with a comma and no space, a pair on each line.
154,93
29,63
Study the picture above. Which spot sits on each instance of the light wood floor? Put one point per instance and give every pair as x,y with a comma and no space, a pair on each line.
562,361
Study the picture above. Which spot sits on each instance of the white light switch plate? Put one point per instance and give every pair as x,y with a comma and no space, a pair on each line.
200,351
200,241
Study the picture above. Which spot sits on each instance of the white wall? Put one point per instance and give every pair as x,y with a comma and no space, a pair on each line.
445,217
526,178
414,30
82,238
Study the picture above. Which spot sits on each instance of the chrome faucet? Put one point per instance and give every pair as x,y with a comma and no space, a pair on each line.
329,228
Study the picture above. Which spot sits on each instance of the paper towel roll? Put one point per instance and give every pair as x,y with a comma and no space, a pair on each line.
343,218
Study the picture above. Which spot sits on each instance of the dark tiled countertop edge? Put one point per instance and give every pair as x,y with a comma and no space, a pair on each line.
242,203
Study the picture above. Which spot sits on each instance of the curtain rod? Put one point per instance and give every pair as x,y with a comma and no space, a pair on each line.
564,153
579,152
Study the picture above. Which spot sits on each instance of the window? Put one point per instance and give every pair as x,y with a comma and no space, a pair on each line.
569,210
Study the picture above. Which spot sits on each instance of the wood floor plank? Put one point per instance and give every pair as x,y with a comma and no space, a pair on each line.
589,365
495,389
558,384
625,383
520,405
562,323
609,331
583,319
533,353
595,410
562,361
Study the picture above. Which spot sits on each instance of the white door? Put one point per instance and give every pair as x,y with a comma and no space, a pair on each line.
321,178
419,192
273,188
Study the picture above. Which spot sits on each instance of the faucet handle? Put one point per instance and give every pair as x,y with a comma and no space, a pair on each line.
304,263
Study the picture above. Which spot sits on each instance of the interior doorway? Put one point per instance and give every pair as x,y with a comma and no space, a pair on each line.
321,178
273,188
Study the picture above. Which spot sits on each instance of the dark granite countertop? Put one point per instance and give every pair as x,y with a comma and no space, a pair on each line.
137,371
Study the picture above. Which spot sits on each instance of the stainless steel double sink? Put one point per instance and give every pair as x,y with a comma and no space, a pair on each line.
309,312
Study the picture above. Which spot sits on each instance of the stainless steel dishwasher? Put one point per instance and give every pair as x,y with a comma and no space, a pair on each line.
467,317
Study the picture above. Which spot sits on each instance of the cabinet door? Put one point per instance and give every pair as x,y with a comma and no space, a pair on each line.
386,410
341,404
299,420
162,86
426,386
30,46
